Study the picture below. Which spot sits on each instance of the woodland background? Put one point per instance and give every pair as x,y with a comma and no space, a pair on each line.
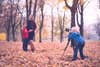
52,17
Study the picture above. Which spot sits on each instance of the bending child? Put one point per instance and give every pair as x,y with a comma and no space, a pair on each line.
78,42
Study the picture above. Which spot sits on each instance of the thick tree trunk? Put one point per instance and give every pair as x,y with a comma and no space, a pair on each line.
72,18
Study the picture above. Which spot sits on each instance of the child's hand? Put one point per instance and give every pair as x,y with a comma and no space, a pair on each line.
21,28
30,30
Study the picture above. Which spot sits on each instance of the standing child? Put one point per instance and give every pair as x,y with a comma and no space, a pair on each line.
25,36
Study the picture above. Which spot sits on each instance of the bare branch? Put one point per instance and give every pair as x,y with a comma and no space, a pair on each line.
67,4
79,8
77,19
88,1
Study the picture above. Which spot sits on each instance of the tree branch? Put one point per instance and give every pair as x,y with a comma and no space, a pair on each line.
77,19
79,8
67,4
88,1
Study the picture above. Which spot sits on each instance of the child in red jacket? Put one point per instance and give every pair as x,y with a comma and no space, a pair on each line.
24,36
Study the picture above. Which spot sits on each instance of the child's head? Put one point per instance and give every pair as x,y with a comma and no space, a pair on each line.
31,17
24,24
74,29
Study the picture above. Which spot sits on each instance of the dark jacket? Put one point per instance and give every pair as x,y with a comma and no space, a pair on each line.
31,25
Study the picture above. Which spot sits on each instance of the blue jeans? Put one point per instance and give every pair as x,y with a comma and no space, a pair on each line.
25,44
79,47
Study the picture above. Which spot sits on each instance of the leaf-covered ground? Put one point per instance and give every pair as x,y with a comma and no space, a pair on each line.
47,54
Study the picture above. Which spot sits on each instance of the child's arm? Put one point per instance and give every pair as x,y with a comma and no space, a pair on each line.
67,44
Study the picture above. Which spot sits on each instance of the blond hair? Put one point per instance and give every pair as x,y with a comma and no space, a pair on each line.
74,29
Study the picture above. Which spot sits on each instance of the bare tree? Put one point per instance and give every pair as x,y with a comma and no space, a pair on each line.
28,8
11,14
81,8
61,25
14,14
7,21
73,10
42,19
7,27
81,24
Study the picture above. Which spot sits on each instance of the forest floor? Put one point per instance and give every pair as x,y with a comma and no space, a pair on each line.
47,54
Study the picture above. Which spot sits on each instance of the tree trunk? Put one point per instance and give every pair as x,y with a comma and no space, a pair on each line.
34,11
62,29
27,10
52,24
82,22
13,34
72,18
40,35
8,37
41,25
8,33
11,18
61,36
8,27
30,6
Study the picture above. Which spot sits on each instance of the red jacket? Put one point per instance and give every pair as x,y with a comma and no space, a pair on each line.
24,33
